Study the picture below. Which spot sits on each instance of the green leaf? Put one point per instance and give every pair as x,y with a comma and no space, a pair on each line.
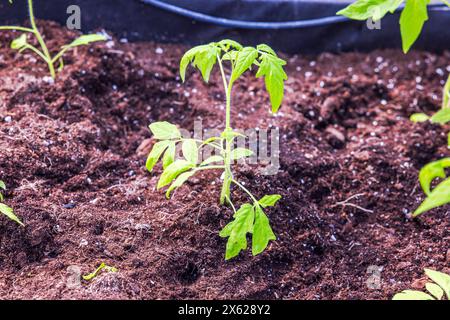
442,116
446,94
365,9
187,58
419,117
155,154
438,197
412,295
2,187
85,40
203,57
205,61
435,290
245,59
212,160
237,230
165,131
94,274
7,211
228,44
412,21
442,279
169,156
226,231
182,178
271,68
432,171
230,134
211,139
269,201
265,48
173,171
262,232
230,56
190,151
19,43
240,153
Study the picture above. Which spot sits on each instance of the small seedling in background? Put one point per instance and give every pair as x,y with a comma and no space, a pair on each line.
21,43
250,218
412,20
4,209
436,289
104,267
440,195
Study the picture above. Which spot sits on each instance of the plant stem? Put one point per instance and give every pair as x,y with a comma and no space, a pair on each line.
41,41
17,28
228,176
35,50
232,205
446,94
246,191
59,55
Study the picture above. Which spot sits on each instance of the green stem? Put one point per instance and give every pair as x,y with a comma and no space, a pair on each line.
228,175
446,94
246,191
227,88
17,28
59,55
232,205
41,41
35,50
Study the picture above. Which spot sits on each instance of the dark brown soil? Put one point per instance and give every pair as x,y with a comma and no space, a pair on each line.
73,157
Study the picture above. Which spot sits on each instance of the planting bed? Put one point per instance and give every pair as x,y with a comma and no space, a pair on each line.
73,156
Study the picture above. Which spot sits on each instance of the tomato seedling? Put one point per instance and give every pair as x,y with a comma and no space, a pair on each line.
4,209
436,289
250,217
412,20
21,43
96,272
440,195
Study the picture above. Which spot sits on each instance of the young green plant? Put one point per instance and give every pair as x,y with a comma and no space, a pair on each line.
412,20
103,267
21,43
249,218
436,289
440,195
4,209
